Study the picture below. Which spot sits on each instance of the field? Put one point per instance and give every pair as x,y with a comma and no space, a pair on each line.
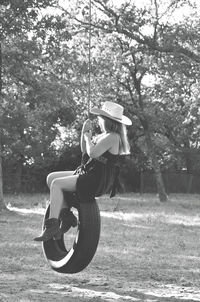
148,251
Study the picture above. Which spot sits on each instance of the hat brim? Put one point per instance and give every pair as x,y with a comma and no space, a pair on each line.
124,120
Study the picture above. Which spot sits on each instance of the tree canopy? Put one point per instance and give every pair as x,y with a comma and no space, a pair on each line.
144,55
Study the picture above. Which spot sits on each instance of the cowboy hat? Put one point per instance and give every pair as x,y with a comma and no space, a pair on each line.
113,111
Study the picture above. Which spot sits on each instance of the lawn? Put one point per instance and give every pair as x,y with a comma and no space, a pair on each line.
148,251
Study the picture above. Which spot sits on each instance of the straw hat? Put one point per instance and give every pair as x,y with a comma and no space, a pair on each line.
113,111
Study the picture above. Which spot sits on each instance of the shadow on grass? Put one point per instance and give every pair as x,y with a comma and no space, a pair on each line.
148,251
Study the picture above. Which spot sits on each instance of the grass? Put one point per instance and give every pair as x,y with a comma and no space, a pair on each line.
147,249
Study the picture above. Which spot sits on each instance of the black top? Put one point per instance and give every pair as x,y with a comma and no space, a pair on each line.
97,176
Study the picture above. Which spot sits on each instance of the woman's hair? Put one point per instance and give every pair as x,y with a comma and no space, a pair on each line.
113,126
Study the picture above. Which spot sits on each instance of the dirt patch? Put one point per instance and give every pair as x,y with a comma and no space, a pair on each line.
147,252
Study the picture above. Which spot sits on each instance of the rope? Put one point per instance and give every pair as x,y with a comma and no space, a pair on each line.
89,61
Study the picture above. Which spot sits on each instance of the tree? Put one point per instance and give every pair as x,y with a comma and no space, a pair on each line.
16,18
179,103
2,206
45,78
149,59
151,34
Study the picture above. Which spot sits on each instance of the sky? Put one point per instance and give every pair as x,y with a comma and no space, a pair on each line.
179,15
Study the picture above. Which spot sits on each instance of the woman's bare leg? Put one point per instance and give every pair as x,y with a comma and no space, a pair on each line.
53,227
57,186
54,175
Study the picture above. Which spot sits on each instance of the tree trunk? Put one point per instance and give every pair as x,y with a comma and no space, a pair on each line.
189,167
18,175
156,167
2,205
141,182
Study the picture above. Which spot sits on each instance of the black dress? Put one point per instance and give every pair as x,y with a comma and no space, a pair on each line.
97,176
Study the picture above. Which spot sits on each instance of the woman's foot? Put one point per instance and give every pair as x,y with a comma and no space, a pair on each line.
52,230
67,219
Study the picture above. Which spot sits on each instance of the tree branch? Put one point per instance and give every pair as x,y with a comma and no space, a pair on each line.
150,42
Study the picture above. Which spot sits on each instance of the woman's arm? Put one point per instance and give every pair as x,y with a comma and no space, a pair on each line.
104,144
83,143
87,126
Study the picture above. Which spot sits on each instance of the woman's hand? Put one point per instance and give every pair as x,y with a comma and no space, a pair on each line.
87,126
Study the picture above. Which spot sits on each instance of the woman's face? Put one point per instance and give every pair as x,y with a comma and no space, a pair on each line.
101,123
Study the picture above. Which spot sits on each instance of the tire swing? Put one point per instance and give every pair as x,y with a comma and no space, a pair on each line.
84,239
74,257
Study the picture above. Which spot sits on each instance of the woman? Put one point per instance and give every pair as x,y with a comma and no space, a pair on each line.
98,172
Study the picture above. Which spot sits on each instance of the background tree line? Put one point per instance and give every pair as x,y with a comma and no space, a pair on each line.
145,57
